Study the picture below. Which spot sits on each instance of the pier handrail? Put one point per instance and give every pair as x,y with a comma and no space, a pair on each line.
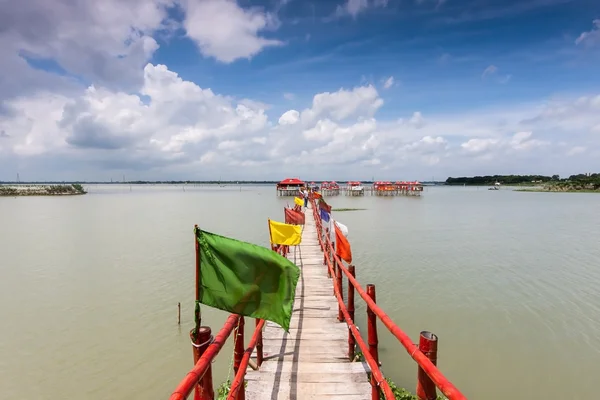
187,384
436,376
241,359
238,381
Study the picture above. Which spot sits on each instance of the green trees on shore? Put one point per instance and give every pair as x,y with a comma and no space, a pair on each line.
574,183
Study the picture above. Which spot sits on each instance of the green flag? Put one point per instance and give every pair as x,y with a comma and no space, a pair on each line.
246,279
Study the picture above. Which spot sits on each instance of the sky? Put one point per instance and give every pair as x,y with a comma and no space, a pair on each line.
321,90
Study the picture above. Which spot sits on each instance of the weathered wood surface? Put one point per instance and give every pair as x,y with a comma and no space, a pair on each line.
311,362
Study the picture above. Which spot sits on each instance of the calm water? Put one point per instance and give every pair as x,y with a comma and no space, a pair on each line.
509,281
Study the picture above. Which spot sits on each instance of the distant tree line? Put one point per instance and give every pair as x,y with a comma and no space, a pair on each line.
523,179
503,179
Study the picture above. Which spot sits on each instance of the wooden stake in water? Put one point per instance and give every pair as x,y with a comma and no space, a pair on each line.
178,313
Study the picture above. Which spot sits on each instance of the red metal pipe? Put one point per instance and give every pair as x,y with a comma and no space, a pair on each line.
442,383
236,385
238,354
373,340
371,362
338,279
445,386
259,341
425,387
187,384
201,339
351,341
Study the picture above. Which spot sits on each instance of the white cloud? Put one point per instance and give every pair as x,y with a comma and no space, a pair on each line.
107,42
176,128
289,96
289,117
227,32
360,101
490,70
389,82
355,7
591,37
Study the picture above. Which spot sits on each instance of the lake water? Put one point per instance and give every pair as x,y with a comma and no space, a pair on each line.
509,281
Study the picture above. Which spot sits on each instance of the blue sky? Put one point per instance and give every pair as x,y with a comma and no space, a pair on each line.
177,89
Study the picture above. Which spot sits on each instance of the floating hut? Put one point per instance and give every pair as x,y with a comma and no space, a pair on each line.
409,188
330,188
384,188
290,187
355,188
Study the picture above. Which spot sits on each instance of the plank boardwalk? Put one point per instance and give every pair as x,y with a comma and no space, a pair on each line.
311,362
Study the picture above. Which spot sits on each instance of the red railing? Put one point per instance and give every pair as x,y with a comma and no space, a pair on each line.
425,354
206,349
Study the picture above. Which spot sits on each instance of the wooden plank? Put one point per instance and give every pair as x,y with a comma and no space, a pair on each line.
309,362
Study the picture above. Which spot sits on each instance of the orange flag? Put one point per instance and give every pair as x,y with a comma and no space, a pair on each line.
342,246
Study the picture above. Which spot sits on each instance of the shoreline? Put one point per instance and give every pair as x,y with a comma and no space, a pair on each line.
541,190
41,190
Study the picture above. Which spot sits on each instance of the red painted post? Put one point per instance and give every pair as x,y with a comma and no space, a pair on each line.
338,273
204,389
238,354
425,387
372,338
259,346
325,251
351,341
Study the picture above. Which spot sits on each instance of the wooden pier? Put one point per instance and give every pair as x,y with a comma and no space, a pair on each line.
311,362
316,359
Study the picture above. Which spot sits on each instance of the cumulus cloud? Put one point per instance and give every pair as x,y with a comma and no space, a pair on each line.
591,37
289,117
106,42
227,32
360,101
174,128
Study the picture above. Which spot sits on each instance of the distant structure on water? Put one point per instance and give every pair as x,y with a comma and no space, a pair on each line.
293,187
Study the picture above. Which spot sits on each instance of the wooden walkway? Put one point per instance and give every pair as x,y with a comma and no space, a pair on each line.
311,362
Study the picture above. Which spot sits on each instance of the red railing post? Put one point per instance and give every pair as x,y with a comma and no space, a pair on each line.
204,389
425,387
351,341
372,338
238,354
338,276
259,345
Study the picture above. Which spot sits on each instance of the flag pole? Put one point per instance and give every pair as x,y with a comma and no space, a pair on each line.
197,313
270,237
201,336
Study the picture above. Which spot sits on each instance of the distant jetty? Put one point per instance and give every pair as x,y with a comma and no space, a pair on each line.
41,190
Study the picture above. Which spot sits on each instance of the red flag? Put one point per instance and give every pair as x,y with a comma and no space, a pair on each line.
324,205
342,246
293,217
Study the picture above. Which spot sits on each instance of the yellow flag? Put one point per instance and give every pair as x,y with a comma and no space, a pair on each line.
285,234
298,201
